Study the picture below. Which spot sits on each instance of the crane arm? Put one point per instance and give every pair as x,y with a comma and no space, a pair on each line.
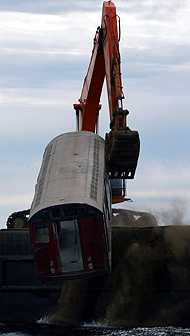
105,62
111,38
87,110
122,144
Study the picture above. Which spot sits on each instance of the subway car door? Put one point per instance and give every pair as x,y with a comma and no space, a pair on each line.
55,264
46,250
70,246
93,244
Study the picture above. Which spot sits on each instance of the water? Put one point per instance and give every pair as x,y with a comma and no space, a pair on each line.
101,331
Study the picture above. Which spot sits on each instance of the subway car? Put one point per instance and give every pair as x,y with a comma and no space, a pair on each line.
70,217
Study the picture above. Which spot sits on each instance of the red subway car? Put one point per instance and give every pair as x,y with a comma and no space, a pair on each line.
70,218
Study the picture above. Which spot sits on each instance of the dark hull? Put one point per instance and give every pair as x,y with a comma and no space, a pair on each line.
23,296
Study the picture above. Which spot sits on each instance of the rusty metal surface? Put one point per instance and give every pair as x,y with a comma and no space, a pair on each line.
72,171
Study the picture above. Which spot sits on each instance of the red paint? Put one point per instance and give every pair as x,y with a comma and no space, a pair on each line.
93,244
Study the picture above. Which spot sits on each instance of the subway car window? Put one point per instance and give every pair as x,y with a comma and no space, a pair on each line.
70,248
42,233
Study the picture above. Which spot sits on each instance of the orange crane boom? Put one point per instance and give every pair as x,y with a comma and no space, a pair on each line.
122,144
105,61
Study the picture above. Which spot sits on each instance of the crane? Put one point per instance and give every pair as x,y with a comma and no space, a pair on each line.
122,144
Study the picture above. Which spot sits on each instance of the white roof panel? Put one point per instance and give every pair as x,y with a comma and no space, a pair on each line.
72,171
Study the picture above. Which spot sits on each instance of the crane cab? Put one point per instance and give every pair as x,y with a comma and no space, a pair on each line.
70,219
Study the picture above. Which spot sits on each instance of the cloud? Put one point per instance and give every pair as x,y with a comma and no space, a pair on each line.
158,177
151,9
50,6
16,200
159,185
43,33
147,8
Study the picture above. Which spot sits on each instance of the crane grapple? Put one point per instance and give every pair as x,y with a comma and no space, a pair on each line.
122,152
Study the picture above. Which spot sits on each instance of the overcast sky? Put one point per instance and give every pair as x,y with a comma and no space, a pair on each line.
45,47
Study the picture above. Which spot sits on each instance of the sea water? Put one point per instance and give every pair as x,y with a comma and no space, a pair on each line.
98,331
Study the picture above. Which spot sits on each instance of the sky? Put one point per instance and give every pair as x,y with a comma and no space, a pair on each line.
45,47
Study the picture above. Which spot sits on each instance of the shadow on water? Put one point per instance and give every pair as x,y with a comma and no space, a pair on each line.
93,330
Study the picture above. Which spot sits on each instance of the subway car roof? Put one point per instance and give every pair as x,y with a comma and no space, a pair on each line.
72,171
